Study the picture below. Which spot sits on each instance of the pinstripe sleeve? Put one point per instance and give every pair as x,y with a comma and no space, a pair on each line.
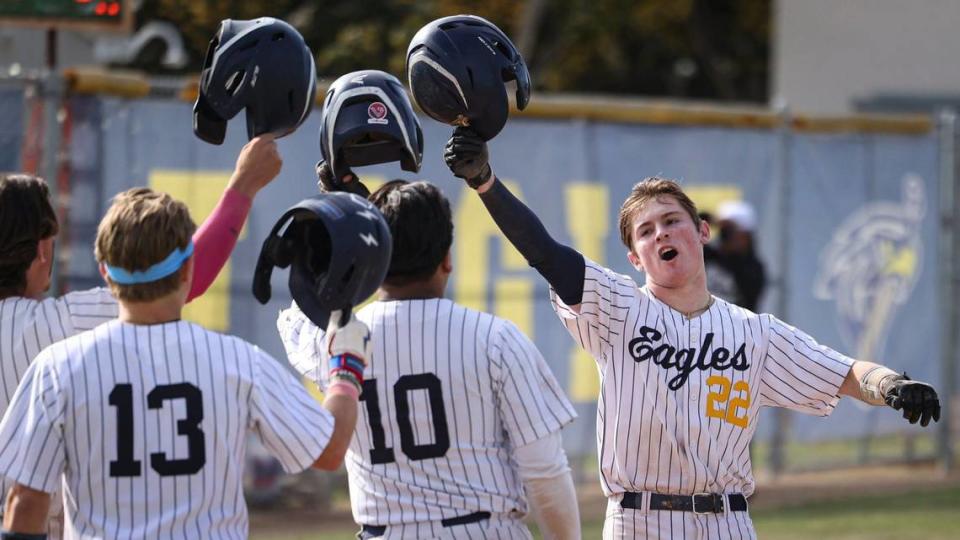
290,423
302,341
91,308
31,433
604,291
799,373
532,404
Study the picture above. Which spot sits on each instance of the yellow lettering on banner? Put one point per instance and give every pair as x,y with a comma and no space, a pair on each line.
588,223
474,228
200,191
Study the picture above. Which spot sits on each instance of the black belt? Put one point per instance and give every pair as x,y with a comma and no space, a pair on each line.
379,530
700,503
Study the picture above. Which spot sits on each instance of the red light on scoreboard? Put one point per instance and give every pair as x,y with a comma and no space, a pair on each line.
110,15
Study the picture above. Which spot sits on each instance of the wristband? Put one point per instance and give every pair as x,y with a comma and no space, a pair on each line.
340,375
343,388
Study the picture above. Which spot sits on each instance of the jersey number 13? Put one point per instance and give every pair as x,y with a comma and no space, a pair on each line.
121,397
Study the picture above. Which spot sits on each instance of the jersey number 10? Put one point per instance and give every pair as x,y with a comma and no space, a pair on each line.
401,389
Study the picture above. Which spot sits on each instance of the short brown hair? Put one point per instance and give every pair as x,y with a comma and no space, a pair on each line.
26,218
141,228
643,191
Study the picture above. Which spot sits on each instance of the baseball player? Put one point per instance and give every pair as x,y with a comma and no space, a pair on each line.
144,417
463,416
28,227
683,373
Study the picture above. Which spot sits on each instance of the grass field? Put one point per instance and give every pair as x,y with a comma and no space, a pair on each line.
930,514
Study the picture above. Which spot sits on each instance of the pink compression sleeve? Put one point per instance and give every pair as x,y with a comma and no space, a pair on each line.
214,240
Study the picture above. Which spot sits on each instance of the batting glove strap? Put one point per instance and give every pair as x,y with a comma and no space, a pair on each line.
347,361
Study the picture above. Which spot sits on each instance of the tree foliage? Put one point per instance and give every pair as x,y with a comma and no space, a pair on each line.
708,49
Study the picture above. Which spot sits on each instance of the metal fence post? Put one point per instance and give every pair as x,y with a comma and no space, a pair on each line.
948,249
781,417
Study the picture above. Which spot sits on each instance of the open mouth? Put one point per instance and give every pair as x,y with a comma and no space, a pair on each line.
668,254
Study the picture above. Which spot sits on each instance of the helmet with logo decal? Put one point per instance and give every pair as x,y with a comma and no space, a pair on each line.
338,248
457,67
262,65
367,119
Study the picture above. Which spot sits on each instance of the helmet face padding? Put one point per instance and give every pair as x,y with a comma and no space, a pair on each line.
367,119
457,67
261,65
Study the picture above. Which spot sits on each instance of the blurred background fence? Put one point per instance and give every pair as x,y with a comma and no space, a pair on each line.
856,225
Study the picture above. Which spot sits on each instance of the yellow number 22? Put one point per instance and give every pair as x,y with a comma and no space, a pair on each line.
736,407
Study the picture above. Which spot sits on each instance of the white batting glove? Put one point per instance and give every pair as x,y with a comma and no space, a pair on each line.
352,339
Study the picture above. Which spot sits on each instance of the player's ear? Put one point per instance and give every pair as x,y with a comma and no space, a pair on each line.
102,268
634,260
447,263
186,271
704,232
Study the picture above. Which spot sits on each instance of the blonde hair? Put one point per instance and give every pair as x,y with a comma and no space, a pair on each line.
648,189
141,228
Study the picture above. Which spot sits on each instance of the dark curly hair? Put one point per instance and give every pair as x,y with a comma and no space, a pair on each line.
419,218
26,218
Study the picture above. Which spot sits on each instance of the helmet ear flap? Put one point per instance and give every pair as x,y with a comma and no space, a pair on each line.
207,124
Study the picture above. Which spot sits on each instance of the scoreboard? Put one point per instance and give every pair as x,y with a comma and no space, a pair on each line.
115,15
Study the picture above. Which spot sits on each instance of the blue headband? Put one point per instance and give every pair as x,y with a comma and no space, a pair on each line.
162,269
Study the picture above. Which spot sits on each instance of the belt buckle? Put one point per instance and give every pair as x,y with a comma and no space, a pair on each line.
710,498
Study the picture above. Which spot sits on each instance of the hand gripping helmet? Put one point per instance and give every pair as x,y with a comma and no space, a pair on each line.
457,67
368,119
262,65
338,248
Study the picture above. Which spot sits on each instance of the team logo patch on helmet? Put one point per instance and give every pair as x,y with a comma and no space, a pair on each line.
378,113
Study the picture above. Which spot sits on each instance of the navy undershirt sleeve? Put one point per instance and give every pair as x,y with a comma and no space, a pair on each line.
562,266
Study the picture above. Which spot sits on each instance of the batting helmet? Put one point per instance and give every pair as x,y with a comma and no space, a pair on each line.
263,65
338,248
457,67
368,119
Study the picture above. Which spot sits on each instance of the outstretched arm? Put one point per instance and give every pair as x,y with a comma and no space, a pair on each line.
562,266
257,165
877,385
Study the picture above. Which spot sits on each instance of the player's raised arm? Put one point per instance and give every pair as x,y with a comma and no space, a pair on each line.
257,165
348,349
878,385
563,267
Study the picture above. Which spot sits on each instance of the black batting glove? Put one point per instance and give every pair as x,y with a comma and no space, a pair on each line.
328,183
918,400
467,157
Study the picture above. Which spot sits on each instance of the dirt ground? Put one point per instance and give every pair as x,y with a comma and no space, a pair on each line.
786,490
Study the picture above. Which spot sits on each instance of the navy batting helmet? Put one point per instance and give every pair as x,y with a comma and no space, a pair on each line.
338,248
262,65
368,119
457,67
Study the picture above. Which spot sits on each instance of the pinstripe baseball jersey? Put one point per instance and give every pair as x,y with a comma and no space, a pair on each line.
27,327
449,391
680,397
146,426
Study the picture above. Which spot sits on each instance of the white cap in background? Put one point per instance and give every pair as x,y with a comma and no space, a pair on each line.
739,212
